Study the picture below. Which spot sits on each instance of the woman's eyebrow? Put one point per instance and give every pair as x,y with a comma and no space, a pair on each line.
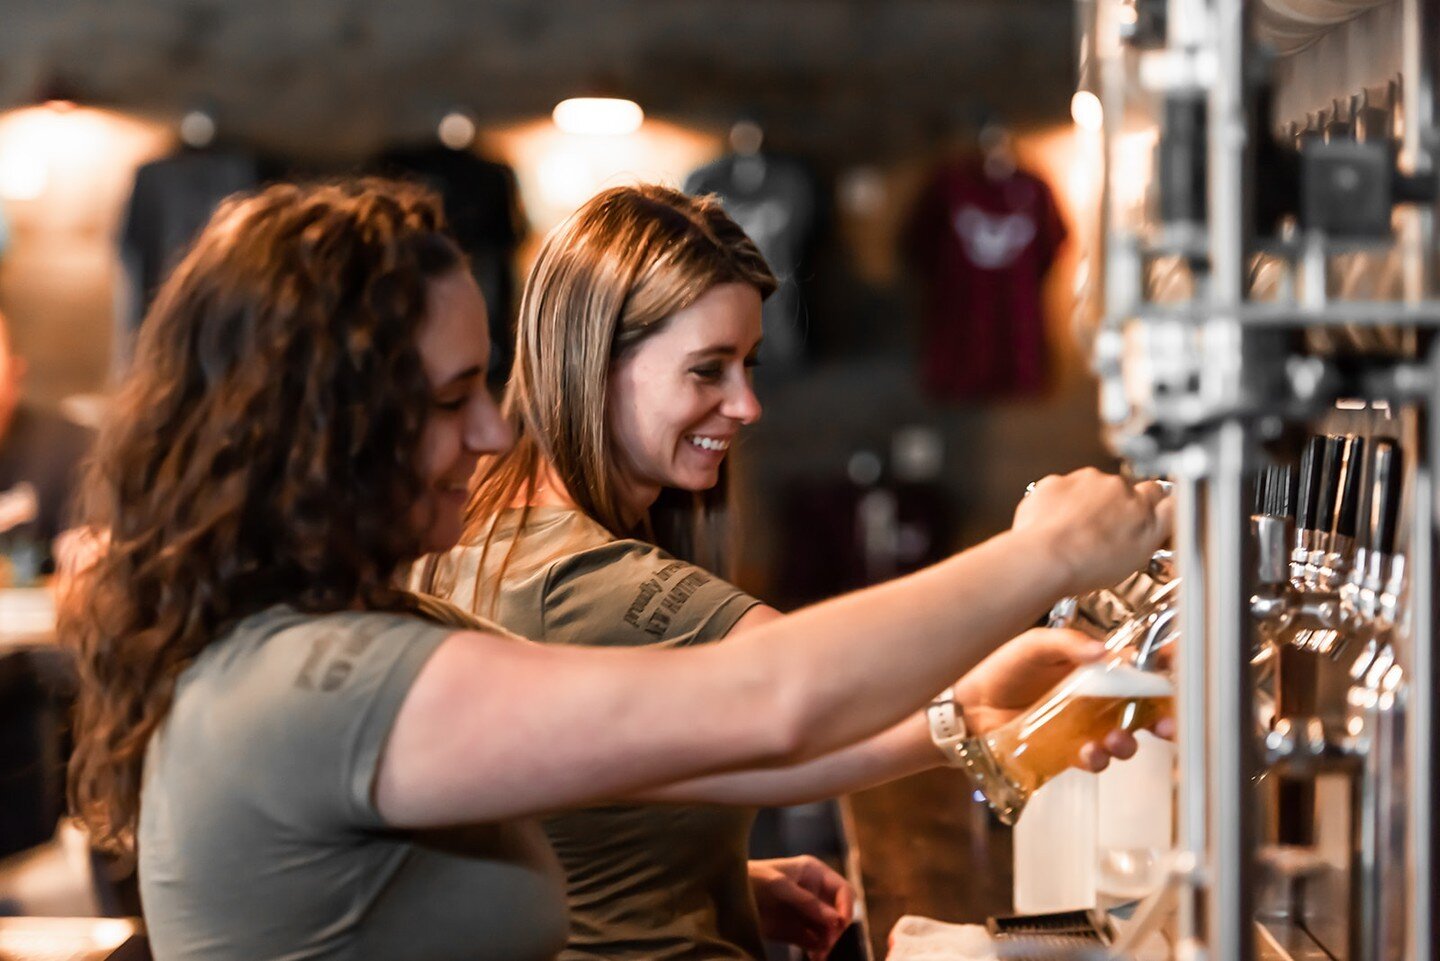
468,373
720,350
714,350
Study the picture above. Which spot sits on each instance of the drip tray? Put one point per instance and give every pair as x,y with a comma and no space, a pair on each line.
1062,934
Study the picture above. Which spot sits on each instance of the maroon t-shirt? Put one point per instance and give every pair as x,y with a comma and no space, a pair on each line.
982,247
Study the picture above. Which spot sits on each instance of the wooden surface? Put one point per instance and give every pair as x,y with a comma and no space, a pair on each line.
924,845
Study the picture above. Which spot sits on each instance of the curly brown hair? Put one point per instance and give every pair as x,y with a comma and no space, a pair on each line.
258,454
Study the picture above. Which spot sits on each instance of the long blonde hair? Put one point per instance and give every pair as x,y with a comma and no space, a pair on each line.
606,279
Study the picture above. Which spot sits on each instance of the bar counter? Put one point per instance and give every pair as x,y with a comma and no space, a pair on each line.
923,845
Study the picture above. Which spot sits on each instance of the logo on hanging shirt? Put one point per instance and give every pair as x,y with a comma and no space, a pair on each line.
993,242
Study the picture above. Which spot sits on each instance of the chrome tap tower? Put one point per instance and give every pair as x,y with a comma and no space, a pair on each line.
1267,315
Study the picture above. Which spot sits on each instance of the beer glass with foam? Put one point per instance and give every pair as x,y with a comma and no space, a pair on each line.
1012,761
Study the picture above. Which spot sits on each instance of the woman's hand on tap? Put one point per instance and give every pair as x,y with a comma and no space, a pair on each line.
1099,526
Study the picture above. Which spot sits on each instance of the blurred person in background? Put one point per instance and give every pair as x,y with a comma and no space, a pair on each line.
40,455
605,525
312,763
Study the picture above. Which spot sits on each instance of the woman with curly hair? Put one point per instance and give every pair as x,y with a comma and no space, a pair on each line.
638,328
313,764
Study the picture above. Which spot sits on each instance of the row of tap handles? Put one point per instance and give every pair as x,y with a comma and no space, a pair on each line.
1330,577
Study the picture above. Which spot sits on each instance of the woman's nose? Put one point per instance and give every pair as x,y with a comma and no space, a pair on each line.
489,431
741,404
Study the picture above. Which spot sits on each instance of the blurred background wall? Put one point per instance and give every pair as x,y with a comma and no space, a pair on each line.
869,95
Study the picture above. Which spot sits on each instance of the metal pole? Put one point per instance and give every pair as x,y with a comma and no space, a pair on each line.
1231,728
1424,685
1370,825
1190,698
1225,159
1418,28
1230,934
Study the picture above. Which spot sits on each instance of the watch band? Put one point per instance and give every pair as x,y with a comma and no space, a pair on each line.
969,753
947,726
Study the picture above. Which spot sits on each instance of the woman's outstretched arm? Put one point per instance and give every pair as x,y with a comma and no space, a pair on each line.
493,728
1000,687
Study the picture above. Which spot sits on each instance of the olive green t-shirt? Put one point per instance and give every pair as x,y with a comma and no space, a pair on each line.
258,835
654,882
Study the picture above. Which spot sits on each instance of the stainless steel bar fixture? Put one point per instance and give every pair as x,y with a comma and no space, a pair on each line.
1294,144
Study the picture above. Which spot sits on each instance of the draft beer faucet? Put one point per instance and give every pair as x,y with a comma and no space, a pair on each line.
1300,605
1370,598
1342,590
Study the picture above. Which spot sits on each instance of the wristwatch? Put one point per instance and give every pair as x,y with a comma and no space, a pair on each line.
947,727
968,752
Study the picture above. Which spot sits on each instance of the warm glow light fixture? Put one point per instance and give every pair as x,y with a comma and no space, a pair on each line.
456,130
1086,110
598,116
23,176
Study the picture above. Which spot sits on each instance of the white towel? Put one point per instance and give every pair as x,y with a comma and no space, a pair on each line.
924,939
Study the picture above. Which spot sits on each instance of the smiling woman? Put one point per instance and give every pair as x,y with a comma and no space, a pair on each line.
645,310
464,419
608,285
679,397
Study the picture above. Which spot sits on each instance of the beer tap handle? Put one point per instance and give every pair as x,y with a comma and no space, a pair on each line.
1389,478
1307,504
1274,511
1352,475
1329,483
1274,492
1281,492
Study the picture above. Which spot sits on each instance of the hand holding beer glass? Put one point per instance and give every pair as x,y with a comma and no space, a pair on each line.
1012,679
1008,763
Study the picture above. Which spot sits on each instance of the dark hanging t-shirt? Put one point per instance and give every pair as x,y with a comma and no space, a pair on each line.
483,212
171,200
982,247
776,201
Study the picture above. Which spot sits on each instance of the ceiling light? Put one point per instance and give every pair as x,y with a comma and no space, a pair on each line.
1086,110
456,130
598,116
197,129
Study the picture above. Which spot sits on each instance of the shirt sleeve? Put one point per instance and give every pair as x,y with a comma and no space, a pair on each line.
326,719
629,594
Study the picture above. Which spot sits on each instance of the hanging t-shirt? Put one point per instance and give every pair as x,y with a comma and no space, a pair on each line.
483,212
776,201
646,882
982,247
837,536
172,199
